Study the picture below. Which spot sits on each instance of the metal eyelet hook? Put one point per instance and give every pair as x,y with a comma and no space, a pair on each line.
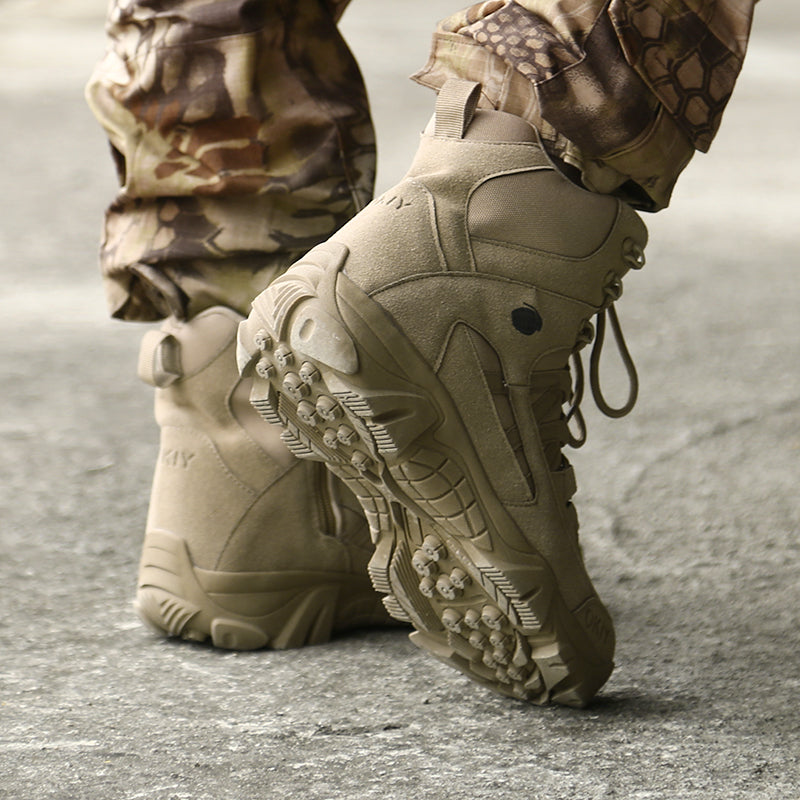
633,254
613,287
585,335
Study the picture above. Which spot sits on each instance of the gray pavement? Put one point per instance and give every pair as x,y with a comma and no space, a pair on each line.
689,507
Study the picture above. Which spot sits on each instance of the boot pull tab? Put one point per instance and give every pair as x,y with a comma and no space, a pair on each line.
159,359
455,106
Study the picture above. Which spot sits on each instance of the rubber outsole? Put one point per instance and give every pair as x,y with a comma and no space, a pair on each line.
245,610
350,390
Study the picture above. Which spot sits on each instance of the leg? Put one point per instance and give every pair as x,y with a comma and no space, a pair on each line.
440,325
623,91
242,137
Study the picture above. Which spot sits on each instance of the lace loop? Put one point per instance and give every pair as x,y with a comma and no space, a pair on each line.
613,290
574,411
574,431
594,366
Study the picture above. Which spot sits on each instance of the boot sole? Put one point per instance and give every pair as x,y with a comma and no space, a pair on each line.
245,610
349,389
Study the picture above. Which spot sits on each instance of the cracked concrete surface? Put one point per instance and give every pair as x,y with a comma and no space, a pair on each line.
689,506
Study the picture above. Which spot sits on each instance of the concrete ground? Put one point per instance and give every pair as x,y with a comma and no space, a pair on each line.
689,507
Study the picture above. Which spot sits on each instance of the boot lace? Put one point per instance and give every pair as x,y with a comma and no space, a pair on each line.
597,333
551,390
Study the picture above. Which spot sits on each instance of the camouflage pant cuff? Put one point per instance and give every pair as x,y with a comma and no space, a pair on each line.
231,236
650,166
456,56
240,129
643,172
182,289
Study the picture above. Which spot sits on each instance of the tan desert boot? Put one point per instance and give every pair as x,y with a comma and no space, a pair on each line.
423,352
245,544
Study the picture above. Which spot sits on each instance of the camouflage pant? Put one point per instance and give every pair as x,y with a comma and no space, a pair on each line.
242,134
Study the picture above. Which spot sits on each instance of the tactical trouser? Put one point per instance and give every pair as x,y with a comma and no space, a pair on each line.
242,134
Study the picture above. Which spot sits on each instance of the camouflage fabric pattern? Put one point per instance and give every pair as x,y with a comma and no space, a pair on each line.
623,90
242,137
242,134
